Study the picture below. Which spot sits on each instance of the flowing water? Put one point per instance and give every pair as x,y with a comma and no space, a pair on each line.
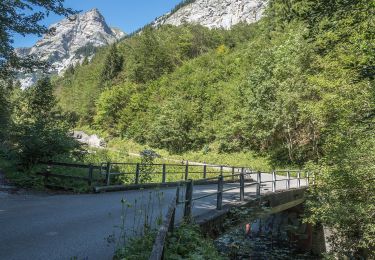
269,236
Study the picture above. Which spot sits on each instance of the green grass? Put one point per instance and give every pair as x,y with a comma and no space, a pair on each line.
121,150
186,242
19,178
5,164
137,248
247,159
28,178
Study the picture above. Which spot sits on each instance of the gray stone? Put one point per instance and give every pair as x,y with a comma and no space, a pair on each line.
90,140
216,13
64,47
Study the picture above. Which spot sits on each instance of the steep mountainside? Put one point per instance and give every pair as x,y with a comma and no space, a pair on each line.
74,39
215,13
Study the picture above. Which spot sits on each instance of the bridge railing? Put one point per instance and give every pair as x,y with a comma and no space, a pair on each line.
167,225
84,173
259,184
138,173
113,173
169,220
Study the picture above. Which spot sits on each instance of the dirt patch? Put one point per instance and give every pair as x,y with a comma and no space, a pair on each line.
3,181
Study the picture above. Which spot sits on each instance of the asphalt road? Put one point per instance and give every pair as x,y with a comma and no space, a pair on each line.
40,226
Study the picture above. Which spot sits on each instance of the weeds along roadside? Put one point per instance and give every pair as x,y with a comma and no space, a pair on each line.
138,227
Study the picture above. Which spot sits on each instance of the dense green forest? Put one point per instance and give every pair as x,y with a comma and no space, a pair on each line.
267,87
297,86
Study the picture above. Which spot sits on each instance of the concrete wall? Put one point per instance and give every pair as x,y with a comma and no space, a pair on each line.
213,223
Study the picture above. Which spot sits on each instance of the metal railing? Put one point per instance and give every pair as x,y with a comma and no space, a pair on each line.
164,173
87,172
110,173
169,221
189,199
167,226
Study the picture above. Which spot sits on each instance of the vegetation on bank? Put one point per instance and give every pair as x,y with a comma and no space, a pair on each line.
135,239
186,242
209,154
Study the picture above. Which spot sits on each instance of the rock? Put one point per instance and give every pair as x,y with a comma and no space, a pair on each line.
74,39
215,13
90,140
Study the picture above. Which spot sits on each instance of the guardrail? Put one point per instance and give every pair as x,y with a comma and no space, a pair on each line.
237,174
242,185
164,173
167,225
110,173
169,221
88,177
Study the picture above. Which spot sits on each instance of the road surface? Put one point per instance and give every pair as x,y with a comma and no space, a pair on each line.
40,226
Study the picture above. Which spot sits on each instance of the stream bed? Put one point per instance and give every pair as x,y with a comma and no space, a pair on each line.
280,235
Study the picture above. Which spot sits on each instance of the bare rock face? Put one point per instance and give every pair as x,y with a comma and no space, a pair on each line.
216,13
73,39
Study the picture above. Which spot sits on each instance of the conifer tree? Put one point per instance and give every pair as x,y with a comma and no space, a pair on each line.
40,130
112,64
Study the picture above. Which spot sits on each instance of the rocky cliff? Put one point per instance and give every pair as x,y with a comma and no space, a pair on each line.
73,39
215,13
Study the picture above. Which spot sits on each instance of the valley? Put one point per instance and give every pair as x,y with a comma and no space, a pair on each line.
258,86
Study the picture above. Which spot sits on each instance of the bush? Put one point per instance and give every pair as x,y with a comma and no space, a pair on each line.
40,132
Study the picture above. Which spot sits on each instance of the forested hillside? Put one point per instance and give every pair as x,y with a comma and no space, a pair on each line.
297,86
268,87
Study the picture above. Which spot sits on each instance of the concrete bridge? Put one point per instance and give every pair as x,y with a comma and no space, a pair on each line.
43,226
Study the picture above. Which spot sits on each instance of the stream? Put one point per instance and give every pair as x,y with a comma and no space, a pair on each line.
281,235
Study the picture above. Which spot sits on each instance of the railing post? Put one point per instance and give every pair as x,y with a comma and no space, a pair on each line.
171,224
178,193
187,170
308,179
242,185
137,169
299,179
313,182
164,173
204,171
101,168
48,171
91,169
273,181
108,173
288,180
221,170
188,200
259,180
219,201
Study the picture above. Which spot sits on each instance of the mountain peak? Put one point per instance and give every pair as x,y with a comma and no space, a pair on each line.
94,10
72,40
214,13
93,14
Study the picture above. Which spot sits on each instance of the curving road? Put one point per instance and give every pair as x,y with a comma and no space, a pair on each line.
41,226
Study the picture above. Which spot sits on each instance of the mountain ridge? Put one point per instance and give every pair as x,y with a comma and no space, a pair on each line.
214,13
73,39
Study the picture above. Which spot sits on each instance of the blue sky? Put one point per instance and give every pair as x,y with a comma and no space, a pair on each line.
127,15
